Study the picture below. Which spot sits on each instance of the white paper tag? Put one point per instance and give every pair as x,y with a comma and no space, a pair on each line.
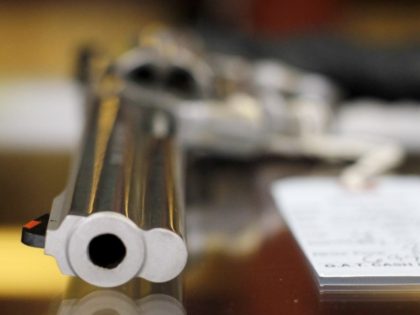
356,240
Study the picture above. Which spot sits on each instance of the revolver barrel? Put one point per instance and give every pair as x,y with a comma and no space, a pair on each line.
121,215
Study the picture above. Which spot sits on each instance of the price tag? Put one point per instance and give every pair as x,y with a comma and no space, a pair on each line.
356,240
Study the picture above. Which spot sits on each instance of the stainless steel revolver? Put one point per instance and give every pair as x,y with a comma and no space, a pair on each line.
122,213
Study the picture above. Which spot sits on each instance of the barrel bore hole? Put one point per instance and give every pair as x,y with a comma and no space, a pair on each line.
106,251
144,75
180,81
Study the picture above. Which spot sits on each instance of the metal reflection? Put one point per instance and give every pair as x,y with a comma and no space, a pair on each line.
137,297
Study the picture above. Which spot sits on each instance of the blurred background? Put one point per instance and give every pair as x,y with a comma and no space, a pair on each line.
369,48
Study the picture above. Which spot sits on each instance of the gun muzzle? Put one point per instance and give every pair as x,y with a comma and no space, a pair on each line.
121,215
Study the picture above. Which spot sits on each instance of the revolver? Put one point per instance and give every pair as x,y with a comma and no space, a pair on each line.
122,213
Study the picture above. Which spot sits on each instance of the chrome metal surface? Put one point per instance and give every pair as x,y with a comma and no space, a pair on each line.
130,164
121,214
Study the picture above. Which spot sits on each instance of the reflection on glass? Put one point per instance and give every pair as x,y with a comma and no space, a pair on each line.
136,297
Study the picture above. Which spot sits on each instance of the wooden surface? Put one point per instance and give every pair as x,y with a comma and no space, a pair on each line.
246,267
